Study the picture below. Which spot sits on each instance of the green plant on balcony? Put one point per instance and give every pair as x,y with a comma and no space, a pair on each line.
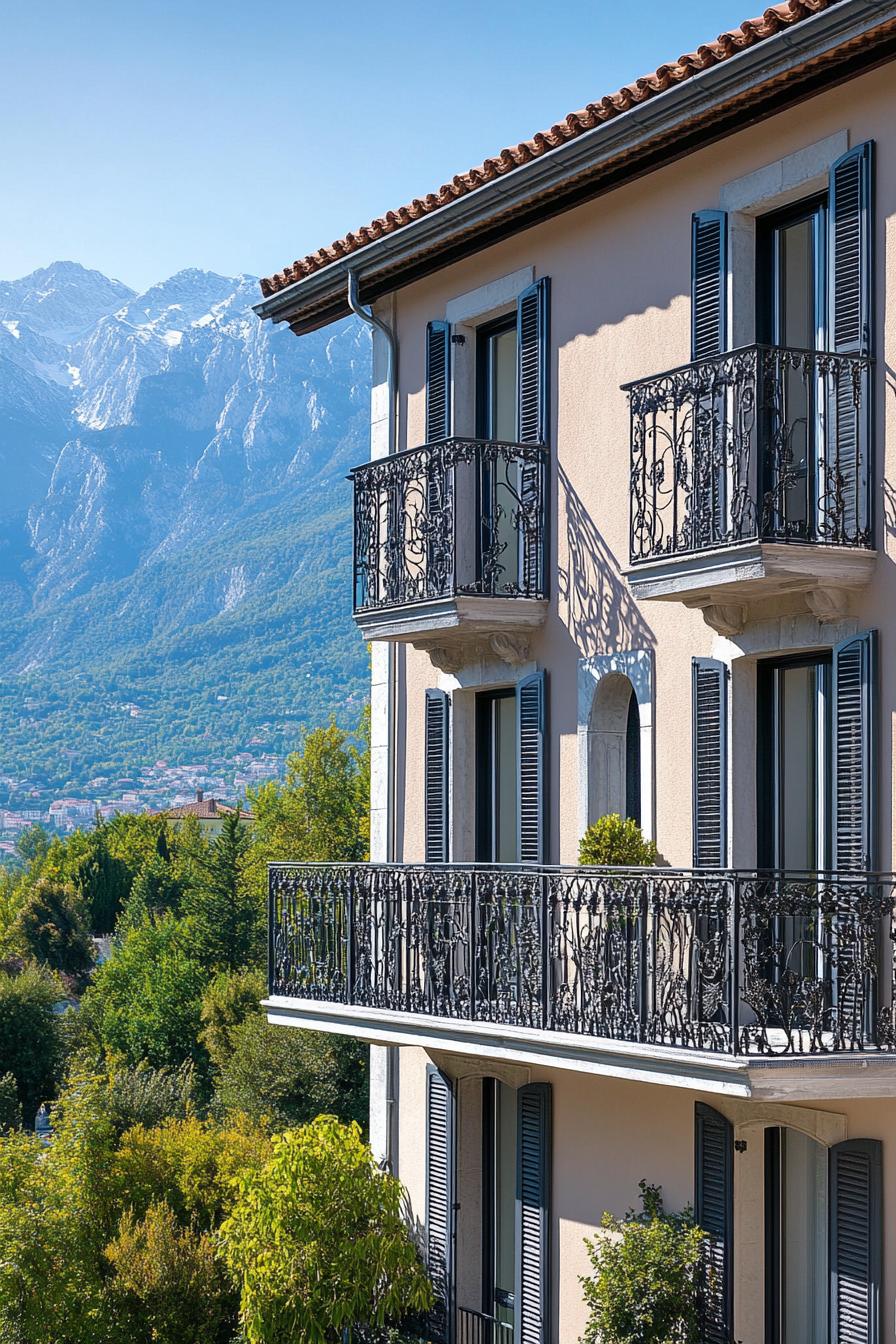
612,841
646,1281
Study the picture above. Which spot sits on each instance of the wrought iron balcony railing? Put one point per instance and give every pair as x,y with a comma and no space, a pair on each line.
474,1327
761,443
462,517
741,963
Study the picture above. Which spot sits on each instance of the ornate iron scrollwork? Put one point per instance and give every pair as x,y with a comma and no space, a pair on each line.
458,517
761,443
727,962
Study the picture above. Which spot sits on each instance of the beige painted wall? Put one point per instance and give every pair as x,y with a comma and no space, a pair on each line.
607,1135
620,275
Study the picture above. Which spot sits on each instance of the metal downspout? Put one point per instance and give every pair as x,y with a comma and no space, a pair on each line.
367,315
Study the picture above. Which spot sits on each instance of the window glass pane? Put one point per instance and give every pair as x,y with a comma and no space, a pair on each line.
503,389
799,765
505,1201
507,846
797,298
804,1233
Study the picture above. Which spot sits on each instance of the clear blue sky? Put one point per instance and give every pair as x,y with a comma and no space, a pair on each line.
142,136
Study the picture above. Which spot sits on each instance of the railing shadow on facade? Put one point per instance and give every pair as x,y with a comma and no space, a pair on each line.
757,444
723,961
460,517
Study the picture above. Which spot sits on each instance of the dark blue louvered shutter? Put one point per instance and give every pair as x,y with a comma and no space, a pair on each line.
533,323
533,1188
850,249
709,732
714,1212
850,244
438,381
435,788
533,362
855,1244
440,1199
855,716
709,284
531,722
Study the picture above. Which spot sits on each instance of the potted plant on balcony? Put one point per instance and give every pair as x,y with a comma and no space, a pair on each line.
645,1288
613,842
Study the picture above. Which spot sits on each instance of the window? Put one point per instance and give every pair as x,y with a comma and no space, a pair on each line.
794,762
797,1273
496,419
497,777
792,312
499,1200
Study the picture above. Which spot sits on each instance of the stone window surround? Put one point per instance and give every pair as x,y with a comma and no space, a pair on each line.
462,688
465,313
771,187
777,636
750,1119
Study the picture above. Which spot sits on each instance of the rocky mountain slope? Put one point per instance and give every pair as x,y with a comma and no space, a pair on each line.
174,524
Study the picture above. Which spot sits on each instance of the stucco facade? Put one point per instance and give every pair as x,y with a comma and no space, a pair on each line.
618,698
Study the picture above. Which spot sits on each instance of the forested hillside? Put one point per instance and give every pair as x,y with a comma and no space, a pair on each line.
175,532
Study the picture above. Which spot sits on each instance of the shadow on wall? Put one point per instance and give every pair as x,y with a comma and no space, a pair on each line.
594,602
887,486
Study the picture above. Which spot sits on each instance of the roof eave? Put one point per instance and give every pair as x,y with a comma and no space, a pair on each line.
320,298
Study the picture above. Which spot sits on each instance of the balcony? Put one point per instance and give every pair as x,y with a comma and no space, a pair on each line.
449,546
751,478
725,980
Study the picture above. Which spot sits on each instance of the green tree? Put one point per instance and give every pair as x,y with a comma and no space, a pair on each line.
32,844
320,813
144,1002
102,880
290,1076
52,928
225,916
644,1289
48,1294
30,1038
13,888
155,891
227,1001
317,1241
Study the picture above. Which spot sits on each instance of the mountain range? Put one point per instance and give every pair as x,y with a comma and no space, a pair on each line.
175,534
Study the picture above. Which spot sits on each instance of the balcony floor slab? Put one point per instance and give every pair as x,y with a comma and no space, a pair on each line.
724,583
782,1078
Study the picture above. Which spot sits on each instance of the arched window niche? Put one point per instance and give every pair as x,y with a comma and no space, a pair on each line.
615,727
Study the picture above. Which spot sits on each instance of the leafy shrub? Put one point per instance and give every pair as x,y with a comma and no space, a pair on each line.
30,1037
191,1164
52,928
147,1096
610,840
10,1106
644,1289
169,1280
317,1241
289,1076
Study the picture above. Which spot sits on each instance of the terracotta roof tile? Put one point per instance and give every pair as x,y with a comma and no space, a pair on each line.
206,809
611,105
